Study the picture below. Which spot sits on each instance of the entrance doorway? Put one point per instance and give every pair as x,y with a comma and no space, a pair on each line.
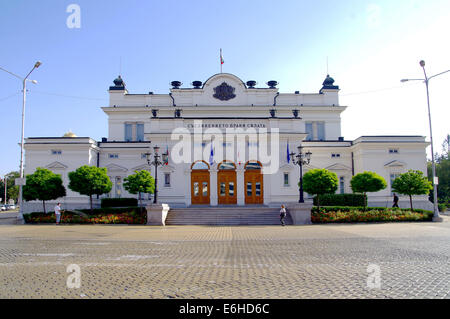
226,184
200,183
254,186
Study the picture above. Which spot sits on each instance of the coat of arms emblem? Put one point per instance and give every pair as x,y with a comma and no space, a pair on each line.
224,92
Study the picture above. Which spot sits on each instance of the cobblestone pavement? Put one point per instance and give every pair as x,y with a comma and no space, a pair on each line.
326,261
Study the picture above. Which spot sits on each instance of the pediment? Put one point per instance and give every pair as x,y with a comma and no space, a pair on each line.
338,167
287,167
309,167
115,168
57,165
143,167
168,168
228,78
395,164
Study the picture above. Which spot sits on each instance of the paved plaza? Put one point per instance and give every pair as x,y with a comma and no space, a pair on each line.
319,261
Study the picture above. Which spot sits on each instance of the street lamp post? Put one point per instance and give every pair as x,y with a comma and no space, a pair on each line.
436,217
24,94
301,159
156,162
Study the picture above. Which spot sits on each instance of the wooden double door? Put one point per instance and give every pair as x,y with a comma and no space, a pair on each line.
200,187
254,192
226,187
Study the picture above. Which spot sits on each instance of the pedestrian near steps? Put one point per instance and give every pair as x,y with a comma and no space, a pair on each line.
283,215
58,213
395,201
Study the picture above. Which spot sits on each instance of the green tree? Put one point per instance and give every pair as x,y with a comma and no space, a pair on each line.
367,182
12,189
443,174
138,183
319,182
43,185
412,183
90,180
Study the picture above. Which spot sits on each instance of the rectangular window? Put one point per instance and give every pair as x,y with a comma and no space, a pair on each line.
128,132
257,189
286,179
342,185
309,131
113,155
196,189
205,189
320,131
222,189
231,189
140,132
167,179
335,155
56,152
249,189
393,151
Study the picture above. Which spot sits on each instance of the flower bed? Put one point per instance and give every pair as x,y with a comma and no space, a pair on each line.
98,216
324,215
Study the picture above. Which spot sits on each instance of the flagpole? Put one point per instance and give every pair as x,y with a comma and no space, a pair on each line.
221,61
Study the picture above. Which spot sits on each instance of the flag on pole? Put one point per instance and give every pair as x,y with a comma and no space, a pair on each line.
211,155
288,158
167,152
221,61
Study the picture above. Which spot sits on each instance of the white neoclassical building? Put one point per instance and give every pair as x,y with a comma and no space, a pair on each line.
216,169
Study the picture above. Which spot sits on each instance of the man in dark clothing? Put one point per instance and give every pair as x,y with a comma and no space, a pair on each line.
283,215
395,201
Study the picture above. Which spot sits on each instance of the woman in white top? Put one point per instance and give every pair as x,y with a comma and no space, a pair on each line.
58,213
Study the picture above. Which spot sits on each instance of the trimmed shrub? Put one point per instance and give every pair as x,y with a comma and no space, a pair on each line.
350,200
442,208
326,215
119,202
126,215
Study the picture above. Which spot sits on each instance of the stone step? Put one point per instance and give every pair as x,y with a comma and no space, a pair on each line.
230,215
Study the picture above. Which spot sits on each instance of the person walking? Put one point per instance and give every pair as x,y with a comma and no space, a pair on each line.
395,201
283,215
58,213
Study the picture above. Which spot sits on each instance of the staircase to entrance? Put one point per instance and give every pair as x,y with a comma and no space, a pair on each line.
226,216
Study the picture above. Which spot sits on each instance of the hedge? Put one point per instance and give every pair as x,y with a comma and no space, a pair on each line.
351,200
128,215
119,202
373,214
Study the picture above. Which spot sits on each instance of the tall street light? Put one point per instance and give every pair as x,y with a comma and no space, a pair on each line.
301,159
24,94
436,217
156,162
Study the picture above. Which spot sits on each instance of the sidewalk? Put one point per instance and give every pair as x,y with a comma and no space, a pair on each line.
8,218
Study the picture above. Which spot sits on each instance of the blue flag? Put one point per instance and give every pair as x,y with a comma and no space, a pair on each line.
288,158
211,155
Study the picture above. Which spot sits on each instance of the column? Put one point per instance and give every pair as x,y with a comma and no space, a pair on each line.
213,187
267,178
187,186
240,187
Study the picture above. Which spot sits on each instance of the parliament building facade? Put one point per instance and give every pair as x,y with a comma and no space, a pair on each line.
138,122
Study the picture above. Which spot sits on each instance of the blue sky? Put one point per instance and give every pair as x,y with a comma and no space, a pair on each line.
370,45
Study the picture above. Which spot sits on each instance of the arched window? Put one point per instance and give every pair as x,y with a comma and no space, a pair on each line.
253,165
200,165
227,166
